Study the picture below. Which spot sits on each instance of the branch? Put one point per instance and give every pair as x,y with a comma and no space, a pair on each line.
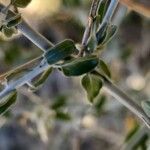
35,37
87,32
138,7
124,99
14,84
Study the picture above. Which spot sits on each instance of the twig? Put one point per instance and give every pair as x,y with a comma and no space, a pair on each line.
24,79
87,32
38,39
123,99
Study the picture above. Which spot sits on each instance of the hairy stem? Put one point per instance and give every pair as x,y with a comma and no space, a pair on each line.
124,99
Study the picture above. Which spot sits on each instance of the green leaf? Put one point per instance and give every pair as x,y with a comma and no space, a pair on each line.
146,107
103,68
62,116
79,66
103,8
60,51
102,33
8,100
8,32
39,82
110,33
14,21
99,103
20,3
59,103
132,132
92,85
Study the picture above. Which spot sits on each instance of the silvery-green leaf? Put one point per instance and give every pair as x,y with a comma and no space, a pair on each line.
60,51
38,82
20,3
103,8
110,33
14,21
103,68
7,101
92,85
79,66
146,107
8,32
102,33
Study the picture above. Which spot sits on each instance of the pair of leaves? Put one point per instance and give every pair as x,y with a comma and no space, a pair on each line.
20,3
7,101
92,85
79,66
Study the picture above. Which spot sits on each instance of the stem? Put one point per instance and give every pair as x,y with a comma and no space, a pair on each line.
14,84
87,32
124,99
34,36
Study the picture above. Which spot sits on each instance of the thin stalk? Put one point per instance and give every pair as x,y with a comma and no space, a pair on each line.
123,99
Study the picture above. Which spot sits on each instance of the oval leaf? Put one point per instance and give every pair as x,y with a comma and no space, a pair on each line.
146,107
102,33
9,100
20,3
111,33
80,66
60,51
103,68
14,21
39,82
92,85
8,32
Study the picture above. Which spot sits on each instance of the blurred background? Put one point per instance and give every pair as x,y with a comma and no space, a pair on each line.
58,115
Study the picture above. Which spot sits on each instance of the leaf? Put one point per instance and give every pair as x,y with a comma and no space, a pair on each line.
132,132
102,33
60,51
103,68
146,107
103,8
59,102
8,32
14,21
111,33
62,116
9,100
20,3
99,103
42,78
92,85
79,66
